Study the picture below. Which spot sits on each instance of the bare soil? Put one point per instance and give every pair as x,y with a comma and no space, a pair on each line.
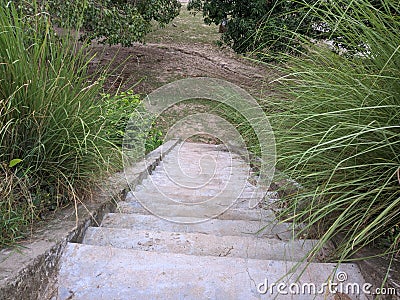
182,49
145,67
185,48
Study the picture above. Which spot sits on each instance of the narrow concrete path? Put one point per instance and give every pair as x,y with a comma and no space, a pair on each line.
191,231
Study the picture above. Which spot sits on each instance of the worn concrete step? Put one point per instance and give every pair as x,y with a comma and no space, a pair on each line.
186,194
201,211
236,168
197,146
204,151
200,148
188,150
194,170
196,156
92,272
201,193
246,199
248,191
283,231
224,199
203,157
168,186
199,244
203,160
198,178
164,180
193,183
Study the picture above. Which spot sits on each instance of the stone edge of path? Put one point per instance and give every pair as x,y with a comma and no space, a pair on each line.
29,272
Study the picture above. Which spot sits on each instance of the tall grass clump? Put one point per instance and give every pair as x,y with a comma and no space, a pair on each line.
52,145
338,129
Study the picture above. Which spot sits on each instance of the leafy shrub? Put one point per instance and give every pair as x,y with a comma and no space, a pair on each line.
119,109
338,131
271,28
259,25
52,142
114,22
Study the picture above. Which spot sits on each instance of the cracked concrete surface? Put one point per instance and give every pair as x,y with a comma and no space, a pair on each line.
162,244
30,271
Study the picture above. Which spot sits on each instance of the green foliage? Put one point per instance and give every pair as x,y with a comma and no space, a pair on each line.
114,22
259,24
271,28
14,162
154,139
119,110
339,134
52,142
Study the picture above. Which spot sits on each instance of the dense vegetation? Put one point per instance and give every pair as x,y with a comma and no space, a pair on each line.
58,132
260,25
338,130
271,28
114,22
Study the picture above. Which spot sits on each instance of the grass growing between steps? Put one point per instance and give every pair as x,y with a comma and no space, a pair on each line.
52,139
338,131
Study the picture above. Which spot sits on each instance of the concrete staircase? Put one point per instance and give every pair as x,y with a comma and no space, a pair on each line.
188,232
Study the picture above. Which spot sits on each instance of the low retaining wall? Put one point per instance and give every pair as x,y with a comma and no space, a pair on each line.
30,271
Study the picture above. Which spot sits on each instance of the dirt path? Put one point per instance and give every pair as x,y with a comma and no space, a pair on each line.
185,48
149,66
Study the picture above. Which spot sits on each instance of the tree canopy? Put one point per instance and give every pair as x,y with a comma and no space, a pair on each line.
272,26
258,23
114,21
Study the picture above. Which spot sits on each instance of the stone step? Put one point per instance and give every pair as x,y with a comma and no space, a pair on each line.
184,193
201,184
204,158
201,148
235,167
149,187
190,192
246,199
208,211
224,198
198,149
196,177
205,151
242,202
283,231
164,180
203,162
94,272
193,171
192,146
201,152
149,184
199,244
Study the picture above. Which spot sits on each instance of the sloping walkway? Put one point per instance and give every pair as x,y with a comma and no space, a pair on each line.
191,231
